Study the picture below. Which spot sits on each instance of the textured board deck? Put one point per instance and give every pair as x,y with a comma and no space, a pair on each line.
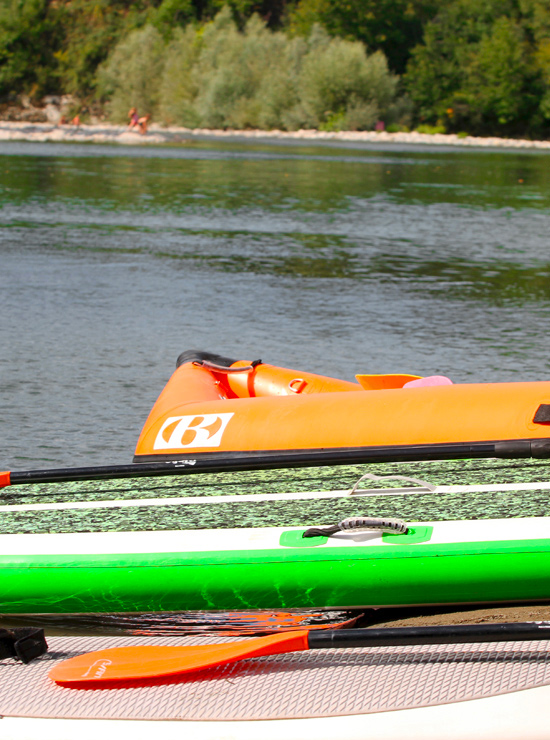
509,503
320,683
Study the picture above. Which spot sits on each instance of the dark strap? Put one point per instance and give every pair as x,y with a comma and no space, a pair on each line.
24,643
321,531
227,370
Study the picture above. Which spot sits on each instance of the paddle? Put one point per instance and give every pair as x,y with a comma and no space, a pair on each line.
228,462
152,662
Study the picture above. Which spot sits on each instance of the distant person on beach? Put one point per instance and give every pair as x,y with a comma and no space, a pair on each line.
76,121
134,118
142,124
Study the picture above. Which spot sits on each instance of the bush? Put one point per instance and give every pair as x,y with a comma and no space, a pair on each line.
231,68
132,74
220,77
178,87
339,85
425,129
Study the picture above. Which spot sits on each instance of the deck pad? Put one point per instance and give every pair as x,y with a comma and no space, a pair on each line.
318,683
505,503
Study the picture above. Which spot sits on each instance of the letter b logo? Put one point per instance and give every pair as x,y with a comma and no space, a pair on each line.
183,432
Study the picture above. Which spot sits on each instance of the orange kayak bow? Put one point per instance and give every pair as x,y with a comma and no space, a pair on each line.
215,406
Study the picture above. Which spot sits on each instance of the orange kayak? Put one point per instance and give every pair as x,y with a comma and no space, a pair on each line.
218,407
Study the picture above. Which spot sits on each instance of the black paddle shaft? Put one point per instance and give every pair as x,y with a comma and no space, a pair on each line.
262,460
443,635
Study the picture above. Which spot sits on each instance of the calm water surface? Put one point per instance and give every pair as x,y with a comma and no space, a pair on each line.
334,260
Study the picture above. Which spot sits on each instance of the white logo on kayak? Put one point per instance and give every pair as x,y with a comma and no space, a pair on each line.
99,666
182,432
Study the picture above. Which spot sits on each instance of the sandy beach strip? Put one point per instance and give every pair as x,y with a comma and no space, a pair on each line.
104,133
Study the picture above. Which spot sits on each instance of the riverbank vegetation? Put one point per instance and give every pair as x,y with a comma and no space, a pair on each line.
449,66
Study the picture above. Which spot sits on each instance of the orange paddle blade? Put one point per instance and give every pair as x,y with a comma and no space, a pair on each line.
150,661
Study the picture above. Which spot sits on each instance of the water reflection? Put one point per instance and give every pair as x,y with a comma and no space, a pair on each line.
184,623
275,178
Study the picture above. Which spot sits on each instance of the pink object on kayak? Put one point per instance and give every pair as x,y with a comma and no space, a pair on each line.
431,380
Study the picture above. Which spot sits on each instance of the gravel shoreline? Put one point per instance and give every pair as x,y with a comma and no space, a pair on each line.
104,133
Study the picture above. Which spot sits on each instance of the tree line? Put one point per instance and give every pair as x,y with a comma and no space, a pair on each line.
435,65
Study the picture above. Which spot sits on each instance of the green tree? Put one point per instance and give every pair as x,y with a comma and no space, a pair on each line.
536,14
29,36
497,83
91,28
272,12
391,26
173,14
49,46
476,69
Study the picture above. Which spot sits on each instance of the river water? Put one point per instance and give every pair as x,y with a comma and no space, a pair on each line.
332,259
